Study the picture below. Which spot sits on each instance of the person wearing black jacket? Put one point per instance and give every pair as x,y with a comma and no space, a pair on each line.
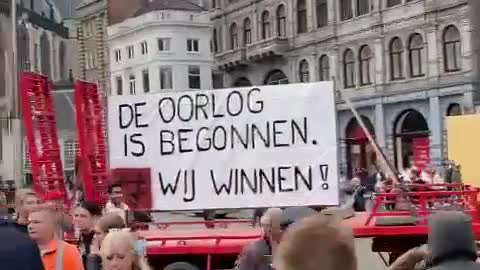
17,251
84,218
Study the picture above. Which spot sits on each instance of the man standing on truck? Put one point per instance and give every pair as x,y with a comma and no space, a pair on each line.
115,204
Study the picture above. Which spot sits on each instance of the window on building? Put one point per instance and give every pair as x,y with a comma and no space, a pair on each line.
346,10
118,55
214,3
86,29
233,36
144,47
304,72
247,31
391,3
396,59
69,153
281,21
363,7
90,60
452,52
45,54
324,68
119,85
192,45
131,84
215,41
36,60
194,77
322,13
266,31
146,81
26,156
163,44
349,68
218,80
302,21
131,52
366,57
166,77
416,50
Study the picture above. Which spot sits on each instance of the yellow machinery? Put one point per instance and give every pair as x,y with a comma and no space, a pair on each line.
464,145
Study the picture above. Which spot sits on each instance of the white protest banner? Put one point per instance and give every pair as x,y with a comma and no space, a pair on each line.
251,147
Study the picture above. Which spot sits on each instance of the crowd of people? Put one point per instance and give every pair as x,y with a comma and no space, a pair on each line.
294,238
34,236
300,238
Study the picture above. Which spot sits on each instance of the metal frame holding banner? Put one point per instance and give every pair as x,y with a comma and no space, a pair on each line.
42,138
90,116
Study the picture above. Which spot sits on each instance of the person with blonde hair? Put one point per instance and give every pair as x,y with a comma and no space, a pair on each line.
120,252
316,242
25,201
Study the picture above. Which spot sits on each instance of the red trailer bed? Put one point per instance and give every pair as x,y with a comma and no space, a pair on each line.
393,227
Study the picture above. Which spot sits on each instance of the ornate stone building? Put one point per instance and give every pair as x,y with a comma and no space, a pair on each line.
93,59
406,64
42,45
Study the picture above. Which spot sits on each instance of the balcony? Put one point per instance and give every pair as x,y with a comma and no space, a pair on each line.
40,20
275,46
231,59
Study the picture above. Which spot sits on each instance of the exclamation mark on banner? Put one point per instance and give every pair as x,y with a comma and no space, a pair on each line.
324,176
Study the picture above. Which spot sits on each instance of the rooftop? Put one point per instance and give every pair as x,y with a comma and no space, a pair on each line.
153,5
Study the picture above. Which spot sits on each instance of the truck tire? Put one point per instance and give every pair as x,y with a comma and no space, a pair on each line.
181,266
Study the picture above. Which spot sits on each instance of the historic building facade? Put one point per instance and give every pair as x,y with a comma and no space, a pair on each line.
92,23
405,64
163,46
42,45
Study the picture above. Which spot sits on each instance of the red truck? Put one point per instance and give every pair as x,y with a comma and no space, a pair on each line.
192,246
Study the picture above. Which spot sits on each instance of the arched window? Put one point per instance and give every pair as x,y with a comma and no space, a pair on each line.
454,109
242,82
302,16
266,31
416,50
247,31
275,77
396,59
349,68
61,59
281,21
233,36
45,54
324,68
131,84
303,71
366,57
452,49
